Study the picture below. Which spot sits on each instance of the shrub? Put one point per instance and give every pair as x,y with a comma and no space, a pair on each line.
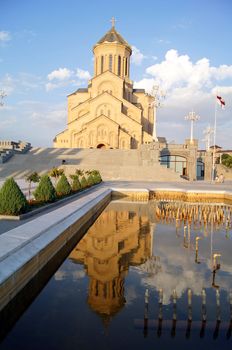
90,180
63,187
45,192
12,200
227,160
96,176
83,182
76,186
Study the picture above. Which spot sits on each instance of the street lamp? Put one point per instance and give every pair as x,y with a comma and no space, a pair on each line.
158,95
208,132
193,117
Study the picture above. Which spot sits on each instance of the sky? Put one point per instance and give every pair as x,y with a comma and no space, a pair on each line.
182,46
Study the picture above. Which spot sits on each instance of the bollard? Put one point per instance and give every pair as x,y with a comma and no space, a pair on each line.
203,294
196,249
185,243
190,305
189,323
218,305
145,326
160,315
229,331
216,264
174,317
203,310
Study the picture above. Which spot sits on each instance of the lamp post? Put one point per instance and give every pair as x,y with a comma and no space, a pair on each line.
208,132
158,95
193,117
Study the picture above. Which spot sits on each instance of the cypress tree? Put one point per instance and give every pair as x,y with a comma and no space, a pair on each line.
83,182
45,192
76,186
63,187
12,199
90,180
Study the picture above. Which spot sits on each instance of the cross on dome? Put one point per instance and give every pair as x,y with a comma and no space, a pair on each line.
113,20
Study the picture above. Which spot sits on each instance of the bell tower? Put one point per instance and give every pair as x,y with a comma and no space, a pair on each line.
112,53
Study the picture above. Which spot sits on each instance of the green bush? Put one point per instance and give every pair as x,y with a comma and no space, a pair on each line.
96,176
45,192
83,182
63,187
76,186
227,160
90,180
12,200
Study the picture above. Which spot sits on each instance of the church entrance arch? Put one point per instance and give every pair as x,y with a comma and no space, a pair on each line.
101,145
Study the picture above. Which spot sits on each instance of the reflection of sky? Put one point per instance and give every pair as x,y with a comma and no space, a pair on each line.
178,268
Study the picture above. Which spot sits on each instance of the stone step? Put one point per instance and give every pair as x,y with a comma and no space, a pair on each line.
113,164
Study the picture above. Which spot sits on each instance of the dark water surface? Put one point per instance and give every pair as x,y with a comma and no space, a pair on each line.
96,299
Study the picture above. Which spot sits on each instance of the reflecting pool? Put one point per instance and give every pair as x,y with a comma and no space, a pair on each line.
144,276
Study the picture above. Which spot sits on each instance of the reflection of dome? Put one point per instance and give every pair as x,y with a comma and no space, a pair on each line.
107,298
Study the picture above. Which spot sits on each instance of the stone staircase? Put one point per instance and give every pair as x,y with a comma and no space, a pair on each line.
113,164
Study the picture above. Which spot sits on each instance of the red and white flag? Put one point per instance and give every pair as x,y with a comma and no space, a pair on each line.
221,102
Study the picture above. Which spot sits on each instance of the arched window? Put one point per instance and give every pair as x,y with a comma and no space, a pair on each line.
110,63
126,67
119,65
102,63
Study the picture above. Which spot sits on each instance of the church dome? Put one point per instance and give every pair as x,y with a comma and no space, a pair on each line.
112,36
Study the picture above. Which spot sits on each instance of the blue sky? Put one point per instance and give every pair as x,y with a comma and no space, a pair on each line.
46,54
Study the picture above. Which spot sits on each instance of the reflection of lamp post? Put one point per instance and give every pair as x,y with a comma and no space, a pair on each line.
158,96
193,118
2,95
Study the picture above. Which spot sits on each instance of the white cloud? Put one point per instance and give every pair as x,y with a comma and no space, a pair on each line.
64,77
137,57
51,86
190,85
5,36
82,74
60,74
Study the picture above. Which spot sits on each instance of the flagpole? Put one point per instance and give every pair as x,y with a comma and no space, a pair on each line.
214,140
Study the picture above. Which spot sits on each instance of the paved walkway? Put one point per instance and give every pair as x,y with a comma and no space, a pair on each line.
187,186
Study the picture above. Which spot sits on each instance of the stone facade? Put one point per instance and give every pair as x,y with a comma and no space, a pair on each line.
109,113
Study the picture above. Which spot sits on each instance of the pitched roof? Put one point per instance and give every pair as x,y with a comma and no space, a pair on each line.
113,36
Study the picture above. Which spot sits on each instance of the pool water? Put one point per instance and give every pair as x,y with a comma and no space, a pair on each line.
154,275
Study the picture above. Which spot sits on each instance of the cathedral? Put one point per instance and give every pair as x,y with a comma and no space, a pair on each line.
109,113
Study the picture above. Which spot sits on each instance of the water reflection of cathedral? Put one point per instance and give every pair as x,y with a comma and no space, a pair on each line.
117,240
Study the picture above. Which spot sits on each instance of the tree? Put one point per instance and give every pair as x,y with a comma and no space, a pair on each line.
33,177
63,187
12,200
79,172
83,182
90,180
56,173
45,192
76,186
96,176
227,160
